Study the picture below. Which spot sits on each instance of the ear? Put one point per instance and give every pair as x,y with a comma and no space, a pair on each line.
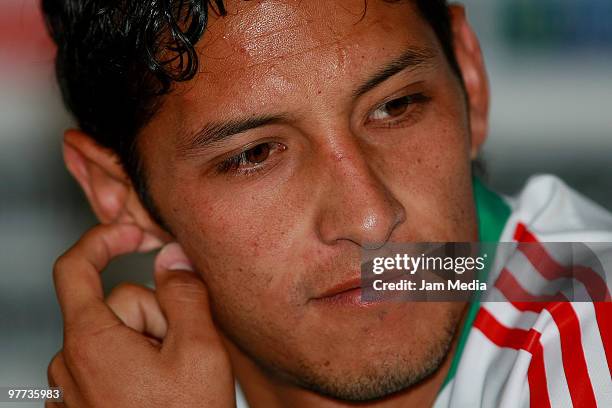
471,62
108,188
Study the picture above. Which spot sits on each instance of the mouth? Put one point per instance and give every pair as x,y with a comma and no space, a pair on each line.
347,293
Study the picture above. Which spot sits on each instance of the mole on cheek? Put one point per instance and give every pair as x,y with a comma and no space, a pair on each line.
382,315
254,248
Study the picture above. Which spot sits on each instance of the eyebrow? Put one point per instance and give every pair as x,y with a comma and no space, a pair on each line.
411,58
214,132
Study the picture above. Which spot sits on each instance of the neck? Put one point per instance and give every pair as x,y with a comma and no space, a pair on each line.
261,390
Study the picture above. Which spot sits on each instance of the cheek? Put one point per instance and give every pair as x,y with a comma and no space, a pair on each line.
431,175
243,243
244,250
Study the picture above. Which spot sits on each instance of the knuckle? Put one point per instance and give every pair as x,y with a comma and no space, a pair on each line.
54,367
63,265
52,370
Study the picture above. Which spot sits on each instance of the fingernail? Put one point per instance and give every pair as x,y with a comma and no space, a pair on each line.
149,243
171,257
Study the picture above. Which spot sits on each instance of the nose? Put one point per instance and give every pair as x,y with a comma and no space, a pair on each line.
356,205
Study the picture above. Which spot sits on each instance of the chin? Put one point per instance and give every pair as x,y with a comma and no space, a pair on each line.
370,378
376,366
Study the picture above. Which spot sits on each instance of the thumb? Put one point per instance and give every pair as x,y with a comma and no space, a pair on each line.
183,298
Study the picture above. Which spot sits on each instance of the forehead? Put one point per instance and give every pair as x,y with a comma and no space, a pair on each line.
266,50
264,31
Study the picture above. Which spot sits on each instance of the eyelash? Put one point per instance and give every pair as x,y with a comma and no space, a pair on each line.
415,100
232,164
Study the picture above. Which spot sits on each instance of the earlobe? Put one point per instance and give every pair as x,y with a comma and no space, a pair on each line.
106,186
471,62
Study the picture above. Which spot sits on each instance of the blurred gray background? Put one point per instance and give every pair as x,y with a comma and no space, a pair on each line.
550,66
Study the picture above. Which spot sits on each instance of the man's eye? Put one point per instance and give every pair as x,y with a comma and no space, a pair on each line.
257,154
395,108
250,159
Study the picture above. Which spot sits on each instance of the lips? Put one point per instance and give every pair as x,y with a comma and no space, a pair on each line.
341,288
347,293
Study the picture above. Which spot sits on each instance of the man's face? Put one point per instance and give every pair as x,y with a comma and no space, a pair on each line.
335,151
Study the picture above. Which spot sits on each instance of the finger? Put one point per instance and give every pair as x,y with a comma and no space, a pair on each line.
58,375
77,272
183,297
137,307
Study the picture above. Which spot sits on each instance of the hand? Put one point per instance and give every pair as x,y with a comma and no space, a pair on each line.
139,348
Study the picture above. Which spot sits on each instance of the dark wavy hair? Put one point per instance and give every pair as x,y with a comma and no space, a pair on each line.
117,58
